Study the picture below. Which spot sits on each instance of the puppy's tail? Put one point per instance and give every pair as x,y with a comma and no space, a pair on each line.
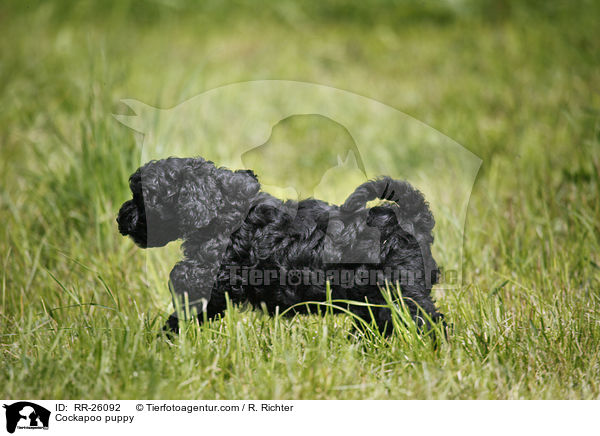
413,211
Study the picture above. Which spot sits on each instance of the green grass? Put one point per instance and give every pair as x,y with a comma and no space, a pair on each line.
515,82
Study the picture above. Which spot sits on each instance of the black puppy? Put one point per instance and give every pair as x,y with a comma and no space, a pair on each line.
257,248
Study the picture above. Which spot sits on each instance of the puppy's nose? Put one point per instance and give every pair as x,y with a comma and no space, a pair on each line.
128,218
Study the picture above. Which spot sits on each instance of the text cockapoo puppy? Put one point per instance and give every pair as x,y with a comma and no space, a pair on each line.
259,249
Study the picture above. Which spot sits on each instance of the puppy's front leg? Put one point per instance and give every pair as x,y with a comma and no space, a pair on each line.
191,284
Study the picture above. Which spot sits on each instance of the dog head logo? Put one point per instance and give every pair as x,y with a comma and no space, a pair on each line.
26,415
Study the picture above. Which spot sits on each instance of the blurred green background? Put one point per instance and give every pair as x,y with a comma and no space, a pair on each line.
515,82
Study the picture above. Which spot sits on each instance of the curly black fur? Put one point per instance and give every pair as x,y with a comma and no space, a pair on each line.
227,224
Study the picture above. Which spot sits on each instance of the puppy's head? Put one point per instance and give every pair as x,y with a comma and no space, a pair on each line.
175,197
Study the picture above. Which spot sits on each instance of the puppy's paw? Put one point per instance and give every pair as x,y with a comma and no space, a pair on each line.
171,327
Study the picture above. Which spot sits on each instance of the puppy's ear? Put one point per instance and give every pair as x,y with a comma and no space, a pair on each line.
238,189
241,185
215,195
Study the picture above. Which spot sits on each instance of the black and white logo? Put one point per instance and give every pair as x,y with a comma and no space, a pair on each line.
26,415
